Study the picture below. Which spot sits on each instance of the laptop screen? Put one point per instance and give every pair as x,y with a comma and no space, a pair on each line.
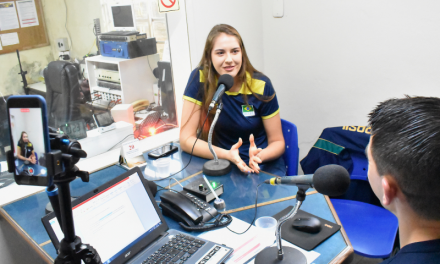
114,219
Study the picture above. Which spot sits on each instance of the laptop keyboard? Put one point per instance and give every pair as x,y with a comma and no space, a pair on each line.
178,250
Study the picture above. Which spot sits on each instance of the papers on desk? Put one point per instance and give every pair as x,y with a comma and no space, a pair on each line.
247,245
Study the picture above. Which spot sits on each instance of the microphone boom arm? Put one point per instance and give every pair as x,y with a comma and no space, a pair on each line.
211,130
300,197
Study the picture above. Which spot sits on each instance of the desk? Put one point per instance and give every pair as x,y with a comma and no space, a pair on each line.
37,88
25,214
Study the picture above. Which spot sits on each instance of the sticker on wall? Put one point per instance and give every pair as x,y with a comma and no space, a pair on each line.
168,5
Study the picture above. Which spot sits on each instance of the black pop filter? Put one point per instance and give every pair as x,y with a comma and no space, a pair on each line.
226,80
332,180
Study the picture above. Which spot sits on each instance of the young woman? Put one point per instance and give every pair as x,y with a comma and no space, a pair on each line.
25,149
248,131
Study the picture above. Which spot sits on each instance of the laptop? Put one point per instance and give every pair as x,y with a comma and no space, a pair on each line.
123,222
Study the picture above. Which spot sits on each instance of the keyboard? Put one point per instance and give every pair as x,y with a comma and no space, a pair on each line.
121,33
180,248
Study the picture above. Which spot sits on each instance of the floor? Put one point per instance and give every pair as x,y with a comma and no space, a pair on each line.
357,259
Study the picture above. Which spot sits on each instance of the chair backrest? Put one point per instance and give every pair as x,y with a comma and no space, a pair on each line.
291,153
360,167
63,92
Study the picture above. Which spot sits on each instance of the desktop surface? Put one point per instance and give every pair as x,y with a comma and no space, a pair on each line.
239,195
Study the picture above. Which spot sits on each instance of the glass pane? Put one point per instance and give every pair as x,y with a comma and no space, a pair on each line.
103,82
160,30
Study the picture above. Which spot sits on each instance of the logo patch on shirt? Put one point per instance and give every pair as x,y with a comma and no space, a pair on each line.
248,110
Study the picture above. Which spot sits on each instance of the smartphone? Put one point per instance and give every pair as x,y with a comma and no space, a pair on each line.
29,135
162,151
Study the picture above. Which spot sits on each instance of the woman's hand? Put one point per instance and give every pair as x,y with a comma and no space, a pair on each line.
234,157
32,160
254,159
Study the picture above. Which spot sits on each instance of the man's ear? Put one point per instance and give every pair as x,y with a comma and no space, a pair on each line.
389,187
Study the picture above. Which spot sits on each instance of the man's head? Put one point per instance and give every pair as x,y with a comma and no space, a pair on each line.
404,153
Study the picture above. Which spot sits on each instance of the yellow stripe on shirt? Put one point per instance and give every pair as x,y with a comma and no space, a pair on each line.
271,115
192,100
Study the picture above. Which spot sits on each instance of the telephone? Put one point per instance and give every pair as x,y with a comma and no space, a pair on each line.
192,213
186,208
140,105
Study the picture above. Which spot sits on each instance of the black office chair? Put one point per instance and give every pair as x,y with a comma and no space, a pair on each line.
63,95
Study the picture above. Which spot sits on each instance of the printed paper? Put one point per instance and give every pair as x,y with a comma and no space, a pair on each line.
9,39
27,13
8,16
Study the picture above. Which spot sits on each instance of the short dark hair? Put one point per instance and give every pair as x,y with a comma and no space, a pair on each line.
406,145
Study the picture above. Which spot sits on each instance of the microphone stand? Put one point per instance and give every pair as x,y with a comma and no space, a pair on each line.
280,254
216,167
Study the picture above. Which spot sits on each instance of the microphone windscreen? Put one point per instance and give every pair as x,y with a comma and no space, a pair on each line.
332,180
227,80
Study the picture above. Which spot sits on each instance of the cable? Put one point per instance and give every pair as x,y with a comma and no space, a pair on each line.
165,125
120,142
65,25
94,41
148,59
3,96
192,150
255,216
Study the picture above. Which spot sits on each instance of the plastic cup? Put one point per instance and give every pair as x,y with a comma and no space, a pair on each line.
266,229
162,167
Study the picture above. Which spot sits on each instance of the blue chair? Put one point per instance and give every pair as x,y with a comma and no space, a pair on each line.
291,154
371,229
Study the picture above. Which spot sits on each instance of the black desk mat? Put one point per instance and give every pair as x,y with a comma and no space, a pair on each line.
305,240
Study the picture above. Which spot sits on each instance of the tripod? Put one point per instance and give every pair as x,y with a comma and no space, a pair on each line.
61,164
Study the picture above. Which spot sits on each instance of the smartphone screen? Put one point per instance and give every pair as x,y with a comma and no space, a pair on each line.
29,144
104,119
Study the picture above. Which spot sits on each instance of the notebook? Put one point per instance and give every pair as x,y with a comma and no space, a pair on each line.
123,222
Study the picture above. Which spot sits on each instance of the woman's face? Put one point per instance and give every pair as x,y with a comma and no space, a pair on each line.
226,55
25,138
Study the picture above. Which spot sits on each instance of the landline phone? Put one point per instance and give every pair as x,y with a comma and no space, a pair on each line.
192,213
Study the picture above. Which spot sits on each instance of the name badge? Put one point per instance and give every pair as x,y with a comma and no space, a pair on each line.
131,149
248,110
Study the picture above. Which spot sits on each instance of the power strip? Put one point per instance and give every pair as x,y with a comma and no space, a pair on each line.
106,94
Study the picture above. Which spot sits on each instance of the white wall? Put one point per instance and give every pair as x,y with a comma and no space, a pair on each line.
331,62
243,15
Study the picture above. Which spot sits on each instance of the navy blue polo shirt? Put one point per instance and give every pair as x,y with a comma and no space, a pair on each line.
238,119
425,252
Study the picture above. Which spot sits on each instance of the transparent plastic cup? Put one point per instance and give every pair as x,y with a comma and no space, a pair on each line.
266,229
162,167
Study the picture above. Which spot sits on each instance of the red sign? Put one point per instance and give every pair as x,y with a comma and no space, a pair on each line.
170,5
25,110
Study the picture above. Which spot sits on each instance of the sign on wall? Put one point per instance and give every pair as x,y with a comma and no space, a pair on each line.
168,5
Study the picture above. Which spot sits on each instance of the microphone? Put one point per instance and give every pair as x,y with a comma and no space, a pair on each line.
330,180
225,82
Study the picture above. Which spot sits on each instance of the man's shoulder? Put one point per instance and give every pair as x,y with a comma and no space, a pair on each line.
426,252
